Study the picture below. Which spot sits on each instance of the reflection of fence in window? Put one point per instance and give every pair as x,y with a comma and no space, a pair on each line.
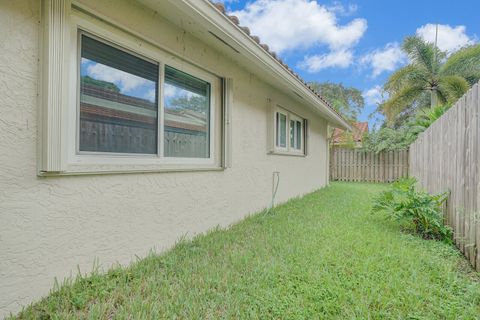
114,137
180,144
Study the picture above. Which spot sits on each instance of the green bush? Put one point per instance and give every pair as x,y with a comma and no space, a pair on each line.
416,210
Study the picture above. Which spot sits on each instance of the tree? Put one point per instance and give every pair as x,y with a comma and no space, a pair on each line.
388,138
347,101
431,78
86,80
195,103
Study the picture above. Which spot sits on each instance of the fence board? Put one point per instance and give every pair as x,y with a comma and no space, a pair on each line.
359,165
446,157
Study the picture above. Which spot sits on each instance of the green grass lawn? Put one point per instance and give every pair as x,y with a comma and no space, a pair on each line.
321,256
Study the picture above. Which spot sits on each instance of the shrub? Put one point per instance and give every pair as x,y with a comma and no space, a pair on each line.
415,209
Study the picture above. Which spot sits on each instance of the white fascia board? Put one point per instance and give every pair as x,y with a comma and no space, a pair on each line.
205,13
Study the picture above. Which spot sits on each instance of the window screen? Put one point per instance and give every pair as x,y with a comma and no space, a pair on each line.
118,100
187,114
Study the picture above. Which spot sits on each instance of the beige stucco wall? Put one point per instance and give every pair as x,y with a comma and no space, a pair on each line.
48,226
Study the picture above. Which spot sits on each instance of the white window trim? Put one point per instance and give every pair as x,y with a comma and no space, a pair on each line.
60,119
288,150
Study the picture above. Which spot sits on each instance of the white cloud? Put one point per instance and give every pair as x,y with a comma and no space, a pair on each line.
299,24
315,63
386,59
450,39
170,91
150,95
339,8
373,96
127,82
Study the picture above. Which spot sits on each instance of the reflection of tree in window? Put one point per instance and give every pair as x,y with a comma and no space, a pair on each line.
194,103
105,85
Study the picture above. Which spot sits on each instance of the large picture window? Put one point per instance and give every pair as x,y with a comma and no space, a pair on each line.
123,109
114,101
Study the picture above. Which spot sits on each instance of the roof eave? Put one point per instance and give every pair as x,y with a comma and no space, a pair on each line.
223,26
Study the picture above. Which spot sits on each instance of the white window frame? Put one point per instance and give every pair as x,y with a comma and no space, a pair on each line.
66,157
288,149
295,118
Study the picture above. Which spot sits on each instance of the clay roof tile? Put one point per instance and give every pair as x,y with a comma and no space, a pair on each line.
246,30
256,39
234,19
221,7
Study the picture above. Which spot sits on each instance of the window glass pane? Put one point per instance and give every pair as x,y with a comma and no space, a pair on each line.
118,100
292,133
299,135
281,130
277,129
187,114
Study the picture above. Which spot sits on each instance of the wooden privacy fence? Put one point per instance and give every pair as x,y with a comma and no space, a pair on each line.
446,157
359,165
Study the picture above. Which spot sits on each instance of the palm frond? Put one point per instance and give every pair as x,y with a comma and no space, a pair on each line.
405,76
401,100
465,62
427,116
441,95
452,88
423,53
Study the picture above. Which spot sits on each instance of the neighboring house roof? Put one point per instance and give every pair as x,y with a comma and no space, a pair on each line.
358,131
101,103
211,23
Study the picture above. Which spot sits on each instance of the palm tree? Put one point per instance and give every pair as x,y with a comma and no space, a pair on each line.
431,78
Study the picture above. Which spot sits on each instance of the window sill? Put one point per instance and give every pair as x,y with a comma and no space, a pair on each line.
286,153
83,170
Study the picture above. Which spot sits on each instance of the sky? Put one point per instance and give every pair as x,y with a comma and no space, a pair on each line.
132,85
358,42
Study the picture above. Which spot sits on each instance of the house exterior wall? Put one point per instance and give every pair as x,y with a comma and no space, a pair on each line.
51,225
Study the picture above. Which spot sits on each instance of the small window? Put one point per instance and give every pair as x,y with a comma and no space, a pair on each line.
288,123
281,130
118,100
296,133
187,113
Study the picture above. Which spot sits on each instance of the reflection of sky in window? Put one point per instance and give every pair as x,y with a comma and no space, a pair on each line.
128,84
